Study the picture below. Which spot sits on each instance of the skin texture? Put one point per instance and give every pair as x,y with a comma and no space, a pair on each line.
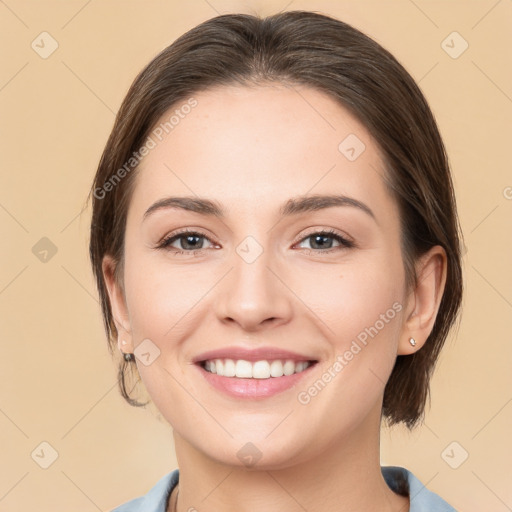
251,149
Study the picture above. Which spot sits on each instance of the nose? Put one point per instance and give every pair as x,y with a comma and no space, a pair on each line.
254,295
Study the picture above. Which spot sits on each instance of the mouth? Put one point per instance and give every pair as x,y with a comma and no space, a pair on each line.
263,369
254,380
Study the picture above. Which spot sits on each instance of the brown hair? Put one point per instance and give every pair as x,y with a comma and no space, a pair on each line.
318,51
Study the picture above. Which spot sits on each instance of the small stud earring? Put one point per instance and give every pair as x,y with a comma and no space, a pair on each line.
412,341
128,357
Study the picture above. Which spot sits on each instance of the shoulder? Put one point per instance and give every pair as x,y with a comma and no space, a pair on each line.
422,500
155,500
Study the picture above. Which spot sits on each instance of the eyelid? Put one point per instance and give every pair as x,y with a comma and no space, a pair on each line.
326,231
345,240
168,239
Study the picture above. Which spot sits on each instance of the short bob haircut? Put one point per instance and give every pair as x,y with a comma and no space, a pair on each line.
309,49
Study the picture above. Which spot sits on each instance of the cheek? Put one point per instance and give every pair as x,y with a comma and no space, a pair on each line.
361,316
354,297
360,308
159,292
162,304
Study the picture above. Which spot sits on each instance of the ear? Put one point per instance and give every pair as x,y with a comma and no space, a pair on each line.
424,300
118,305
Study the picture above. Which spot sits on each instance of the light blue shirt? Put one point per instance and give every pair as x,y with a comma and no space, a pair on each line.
422,500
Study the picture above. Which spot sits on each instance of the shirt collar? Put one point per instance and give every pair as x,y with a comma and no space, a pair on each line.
398,479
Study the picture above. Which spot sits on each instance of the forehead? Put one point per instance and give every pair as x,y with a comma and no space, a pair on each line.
259,144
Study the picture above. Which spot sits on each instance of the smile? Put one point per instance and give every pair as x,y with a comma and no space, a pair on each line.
253,380
263,369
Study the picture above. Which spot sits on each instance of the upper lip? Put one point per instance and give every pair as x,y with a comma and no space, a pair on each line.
256,354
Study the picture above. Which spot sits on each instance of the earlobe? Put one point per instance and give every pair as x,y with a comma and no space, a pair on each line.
118,305
424,300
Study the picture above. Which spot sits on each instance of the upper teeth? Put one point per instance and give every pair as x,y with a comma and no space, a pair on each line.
257,370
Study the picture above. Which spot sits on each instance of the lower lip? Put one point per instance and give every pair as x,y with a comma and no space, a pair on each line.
254,388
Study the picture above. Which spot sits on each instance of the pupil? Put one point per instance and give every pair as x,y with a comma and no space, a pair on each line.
188,239
322,238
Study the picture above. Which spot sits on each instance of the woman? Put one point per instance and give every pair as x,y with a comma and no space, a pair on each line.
277,252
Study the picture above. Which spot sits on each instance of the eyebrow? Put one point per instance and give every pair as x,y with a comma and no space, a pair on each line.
293,206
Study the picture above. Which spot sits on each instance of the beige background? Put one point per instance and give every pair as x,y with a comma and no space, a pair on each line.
57,382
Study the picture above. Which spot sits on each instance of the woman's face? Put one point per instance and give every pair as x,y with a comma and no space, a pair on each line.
258,273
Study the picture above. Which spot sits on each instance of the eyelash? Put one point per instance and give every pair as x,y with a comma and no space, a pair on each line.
344,243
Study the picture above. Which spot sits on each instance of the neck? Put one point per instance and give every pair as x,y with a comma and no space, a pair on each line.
343,477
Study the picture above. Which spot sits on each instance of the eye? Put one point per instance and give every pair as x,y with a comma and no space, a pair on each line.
192,242
189,242
322,241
